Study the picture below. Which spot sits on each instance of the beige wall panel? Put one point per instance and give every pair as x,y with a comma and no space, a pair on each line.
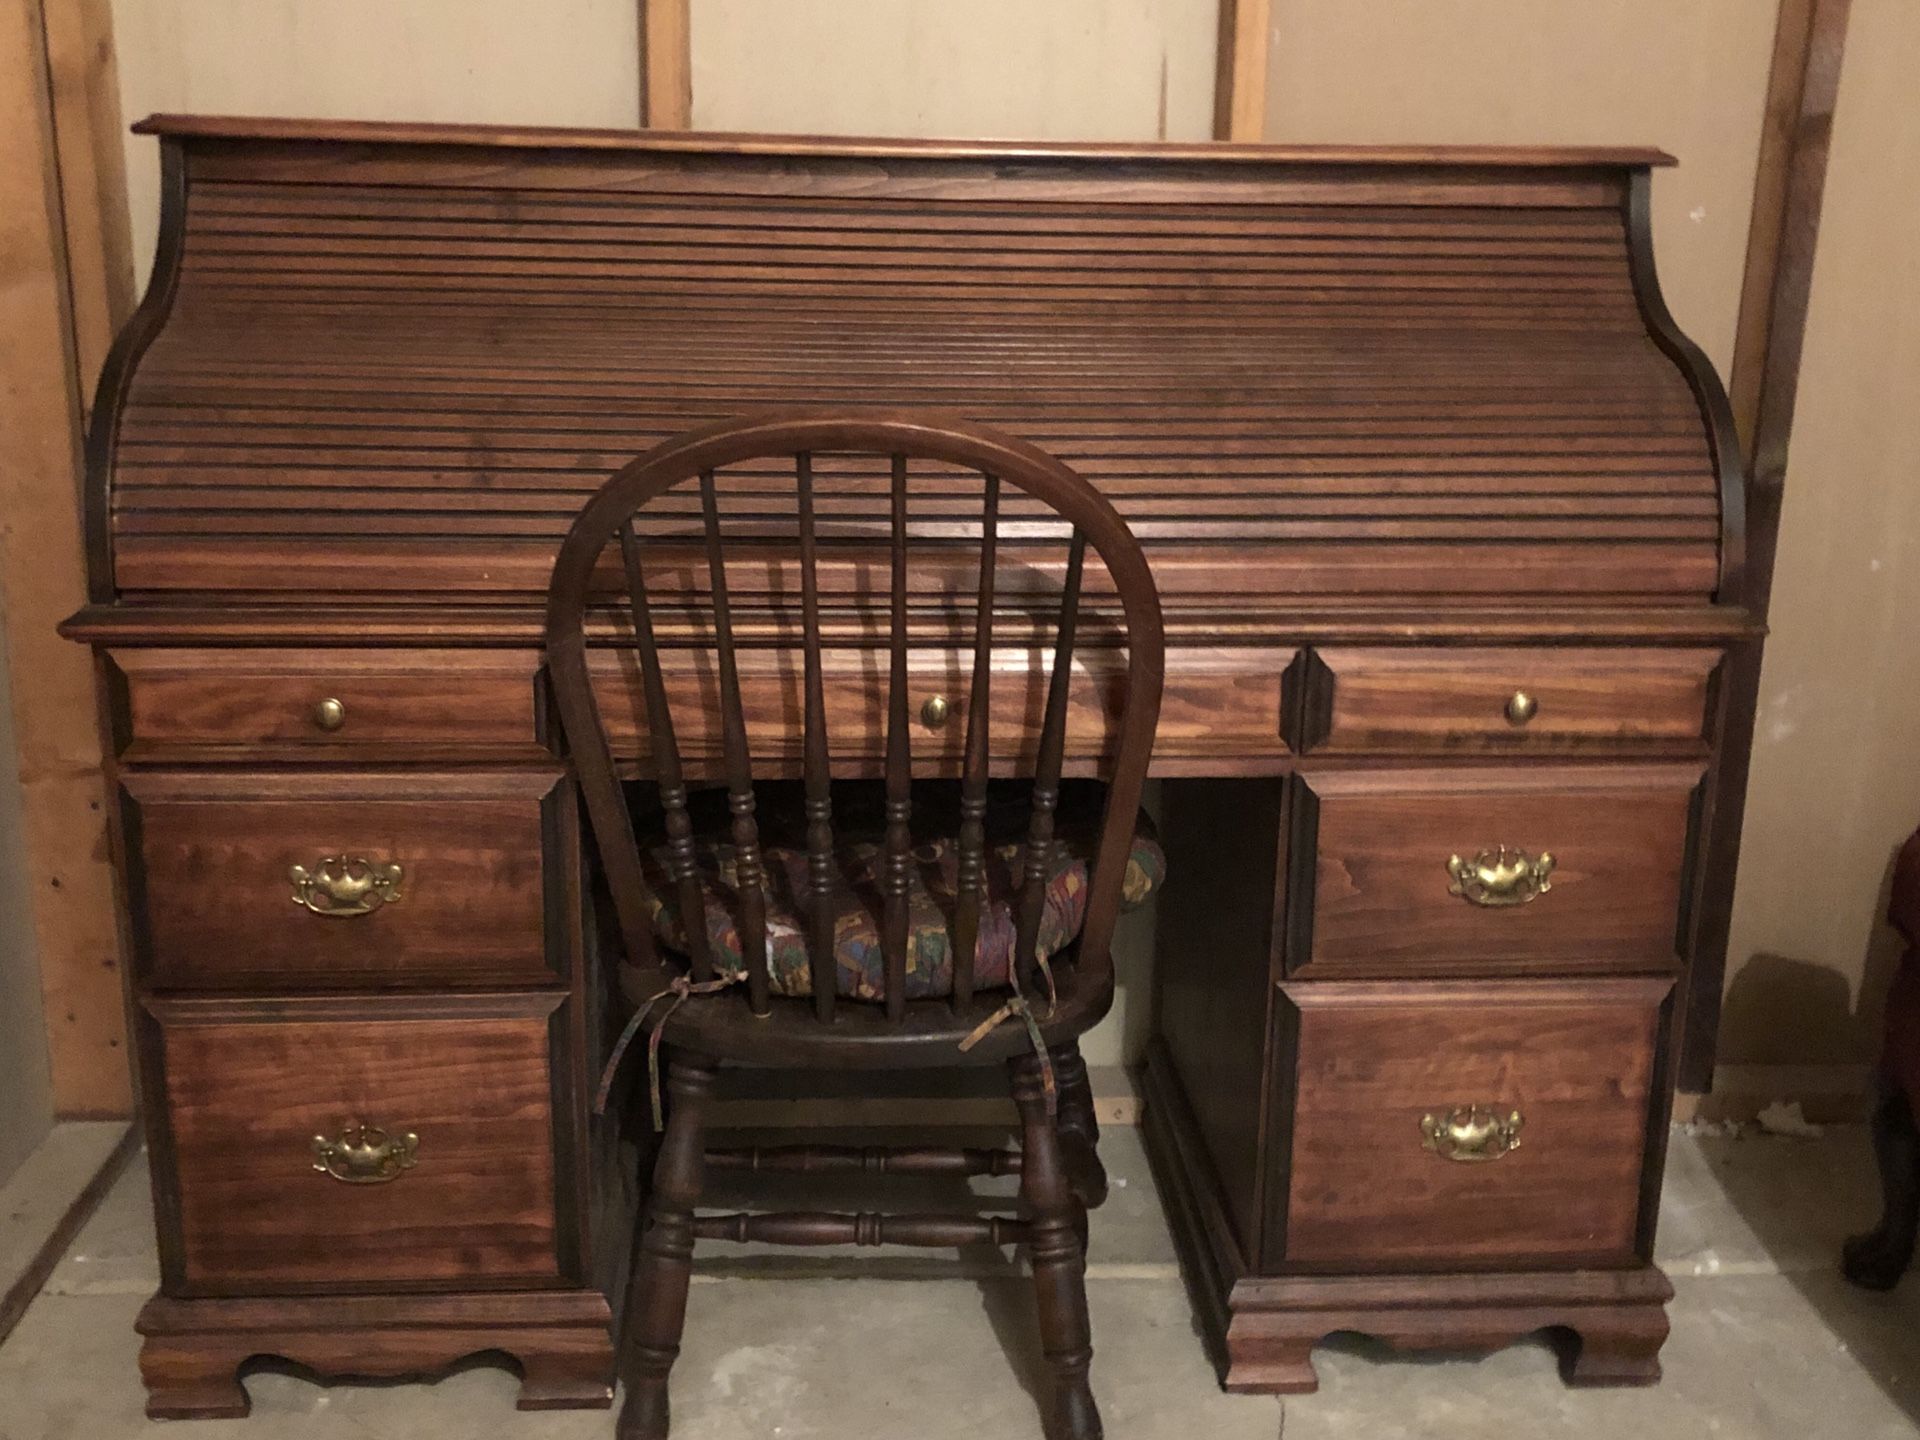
1055,70
559,62
1836,759
1687,75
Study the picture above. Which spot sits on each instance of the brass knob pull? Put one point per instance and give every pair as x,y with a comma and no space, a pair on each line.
329,714
1501,877
934,713
365,1155
340,885
1471,1133
1521,707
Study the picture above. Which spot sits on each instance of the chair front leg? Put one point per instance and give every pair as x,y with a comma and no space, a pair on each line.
663,1253
1059,1262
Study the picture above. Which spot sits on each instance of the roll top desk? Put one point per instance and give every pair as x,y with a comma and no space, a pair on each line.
1445,514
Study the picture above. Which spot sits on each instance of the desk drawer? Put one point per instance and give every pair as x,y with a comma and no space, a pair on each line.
341,702
1221,702
250,1086
1484,868
1381,1068
1512,698
482,862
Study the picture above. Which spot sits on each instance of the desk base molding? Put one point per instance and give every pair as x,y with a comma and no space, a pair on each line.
1611,1323
195,1350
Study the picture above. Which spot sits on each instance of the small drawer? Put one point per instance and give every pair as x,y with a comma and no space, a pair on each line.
1215,702
1410,1101
335,878
334,701
1476,869
324,1145
1513,698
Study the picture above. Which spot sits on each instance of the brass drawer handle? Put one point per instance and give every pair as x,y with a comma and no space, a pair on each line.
329,714
1501,877
1521,707
1471,1133
934,713
340,886
365,1155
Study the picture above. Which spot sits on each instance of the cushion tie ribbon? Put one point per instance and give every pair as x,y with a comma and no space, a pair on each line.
1016,1004
676,993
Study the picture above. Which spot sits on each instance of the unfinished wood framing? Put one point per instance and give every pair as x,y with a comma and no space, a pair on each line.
1240,84
1789,181
666,64
65,285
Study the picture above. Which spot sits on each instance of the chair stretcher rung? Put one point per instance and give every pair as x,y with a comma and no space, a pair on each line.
819,1227
868,1159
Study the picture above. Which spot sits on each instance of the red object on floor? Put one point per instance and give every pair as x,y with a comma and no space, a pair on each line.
1900,1042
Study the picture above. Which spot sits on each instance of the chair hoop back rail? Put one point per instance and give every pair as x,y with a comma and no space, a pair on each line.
704,1018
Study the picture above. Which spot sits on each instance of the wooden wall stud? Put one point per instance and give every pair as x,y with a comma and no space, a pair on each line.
1801,93
666,61
1240,82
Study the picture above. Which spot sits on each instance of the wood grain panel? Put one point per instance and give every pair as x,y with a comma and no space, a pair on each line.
1456,699
1217,703
247,1088
1366,1193
1298,354
1376,845
482,856
394,700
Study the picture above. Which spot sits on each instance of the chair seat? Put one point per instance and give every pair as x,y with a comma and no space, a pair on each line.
859,864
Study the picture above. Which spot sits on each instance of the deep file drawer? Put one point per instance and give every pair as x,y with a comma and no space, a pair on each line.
348,1144
1465,1126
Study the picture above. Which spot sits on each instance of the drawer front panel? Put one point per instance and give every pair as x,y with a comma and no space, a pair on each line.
1476,869
481,861
1515,698
1380,1068
1222,702
401,700
248,1088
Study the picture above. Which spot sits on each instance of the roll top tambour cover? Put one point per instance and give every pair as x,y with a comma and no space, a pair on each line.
385,360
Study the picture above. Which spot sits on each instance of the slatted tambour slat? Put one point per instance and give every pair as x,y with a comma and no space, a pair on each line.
1382,376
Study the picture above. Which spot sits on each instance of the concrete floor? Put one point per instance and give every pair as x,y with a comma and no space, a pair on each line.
1767,1340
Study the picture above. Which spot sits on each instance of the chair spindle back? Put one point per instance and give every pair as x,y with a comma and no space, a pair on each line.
609,518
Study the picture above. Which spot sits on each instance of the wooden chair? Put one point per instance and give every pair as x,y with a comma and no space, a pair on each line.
706,1019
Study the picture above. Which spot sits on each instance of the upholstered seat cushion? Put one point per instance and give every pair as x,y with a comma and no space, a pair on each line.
859,864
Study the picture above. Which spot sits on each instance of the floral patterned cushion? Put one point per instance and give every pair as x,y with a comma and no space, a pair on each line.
859,866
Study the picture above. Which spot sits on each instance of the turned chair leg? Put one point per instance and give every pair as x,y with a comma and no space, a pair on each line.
1078,1125
1877,1259
1059,1264
663,1253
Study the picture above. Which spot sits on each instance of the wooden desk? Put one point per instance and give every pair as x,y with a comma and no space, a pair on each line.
1446,518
